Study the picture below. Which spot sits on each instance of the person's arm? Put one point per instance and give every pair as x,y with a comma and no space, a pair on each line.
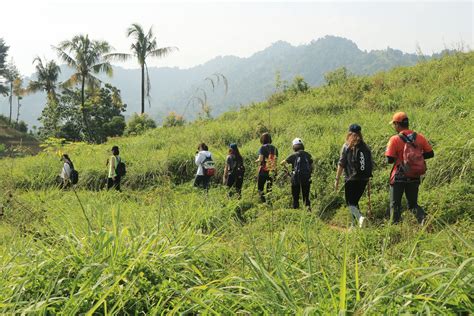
198,159
391,152
112,167
427,149
226,171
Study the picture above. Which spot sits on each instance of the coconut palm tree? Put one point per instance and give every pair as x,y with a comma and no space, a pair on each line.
46,78
19,91
87,58
11,74
144,46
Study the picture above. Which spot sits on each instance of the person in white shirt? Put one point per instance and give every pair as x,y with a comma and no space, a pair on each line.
202,180
65,174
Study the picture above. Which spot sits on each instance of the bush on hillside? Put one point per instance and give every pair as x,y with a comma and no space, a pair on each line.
139,123
337,77
174,119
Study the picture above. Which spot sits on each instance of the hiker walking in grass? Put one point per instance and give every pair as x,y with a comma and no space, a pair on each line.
407,151
205,166
116,169
68,174
356,162
302,167
234,170
267,156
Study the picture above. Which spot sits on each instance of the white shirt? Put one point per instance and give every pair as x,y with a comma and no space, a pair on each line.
199,159
66,171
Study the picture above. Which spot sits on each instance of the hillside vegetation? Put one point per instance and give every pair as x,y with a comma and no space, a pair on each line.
14,142
163,247
250,78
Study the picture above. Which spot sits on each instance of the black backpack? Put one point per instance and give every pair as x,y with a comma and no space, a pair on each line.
121,170
74,176
302,169
238,168
361,162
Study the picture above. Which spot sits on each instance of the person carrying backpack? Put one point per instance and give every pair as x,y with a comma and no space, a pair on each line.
407,151
234,170
68,174
356,162
302,167
267,157
206,168
116,169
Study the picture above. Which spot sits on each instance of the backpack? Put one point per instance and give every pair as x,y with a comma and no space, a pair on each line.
302,169
269,164
238,169
208,166
120,169
74,176
413,164
361,162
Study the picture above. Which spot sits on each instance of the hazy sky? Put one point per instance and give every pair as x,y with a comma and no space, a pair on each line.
203,30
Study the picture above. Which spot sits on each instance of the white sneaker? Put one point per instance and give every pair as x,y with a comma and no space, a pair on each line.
362,222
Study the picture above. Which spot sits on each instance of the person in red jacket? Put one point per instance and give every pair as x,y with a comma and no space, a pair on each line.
405,175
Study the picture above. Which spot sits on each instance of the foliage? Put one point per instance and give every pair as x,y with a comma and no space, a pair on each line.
104,106
337,77
46,77
173,120
3,56
86,57
162,247
139,123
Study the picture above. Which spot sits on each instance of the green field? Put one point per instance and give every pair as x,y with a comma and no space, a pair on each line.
163,247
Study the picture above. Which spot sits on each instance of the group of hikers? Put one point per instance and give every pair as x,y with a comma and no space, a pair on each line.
407,151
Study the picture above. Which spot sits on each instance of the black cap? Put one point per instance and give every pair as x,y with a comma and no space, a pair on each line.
355,128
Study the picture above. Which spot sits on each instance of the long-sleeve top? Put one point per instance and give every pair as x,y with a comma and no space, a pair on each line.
66,171
199,159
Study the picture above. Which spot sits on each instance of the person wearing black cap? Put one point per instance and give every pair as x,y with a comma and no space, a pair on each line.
113,180
234,170
356,163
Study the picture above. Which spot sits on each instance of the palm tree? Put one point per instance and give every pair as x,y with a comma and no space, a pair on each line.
87,58
46,78
144,46
19,92
11,74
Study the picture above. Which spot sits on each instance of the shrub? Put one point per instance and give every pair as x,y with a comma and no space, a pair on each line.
139,123
174,119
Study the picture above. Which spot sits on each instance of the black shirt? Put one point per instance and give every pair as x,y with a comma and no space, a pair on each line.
292,158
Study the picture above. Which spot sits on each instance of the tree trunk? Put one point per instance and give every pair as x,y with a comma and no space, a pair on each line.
11,101
83,110
143,89
18,111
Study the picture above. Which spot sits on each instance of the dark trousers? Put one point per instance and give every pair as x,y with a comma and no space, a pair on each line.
264,177
411,193
202,182
302,186
353,191
236,180
111,183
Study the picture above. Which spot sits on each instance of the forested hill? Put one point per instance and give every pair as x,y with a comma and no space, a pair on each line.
250,79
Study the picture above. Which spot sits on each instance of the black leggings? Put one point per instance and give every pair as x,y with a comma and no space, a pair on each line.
264,177
202,182
236,180
111,183
353,191
304,187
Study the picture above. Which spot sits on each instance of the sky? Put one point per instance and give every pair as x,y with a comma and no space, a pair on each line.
203,30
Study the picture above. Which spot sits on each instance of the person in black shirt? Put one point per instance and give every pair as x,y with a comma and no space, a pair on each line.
234,170
302,167
267,156
353,152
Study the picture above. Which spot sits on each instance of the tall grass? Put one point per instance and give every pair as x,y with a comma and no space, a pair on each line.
163,247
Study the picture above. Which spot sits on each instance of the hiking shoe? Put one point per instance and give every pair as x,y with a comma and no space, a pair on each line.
362,222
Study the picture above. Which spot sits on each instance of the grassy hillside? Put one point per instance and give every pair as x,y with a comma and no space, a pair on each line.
13,142
163,247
